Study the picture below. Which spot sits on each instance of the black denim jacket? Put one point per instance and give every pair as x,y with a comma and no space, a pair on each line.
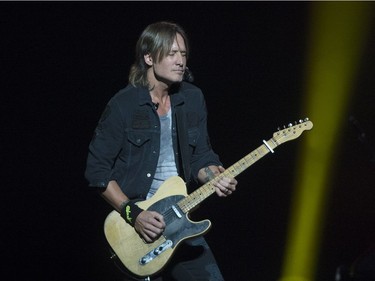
126,143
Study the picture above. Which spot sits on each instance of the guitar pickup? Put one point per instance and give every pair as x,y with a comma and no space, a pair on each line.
155,252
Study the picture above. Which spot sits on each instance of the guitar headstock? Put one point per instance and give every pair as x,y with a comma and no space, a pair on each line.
291,131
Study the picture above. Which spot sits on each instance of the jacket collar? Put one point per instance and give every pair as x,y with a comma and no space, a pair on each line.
144,97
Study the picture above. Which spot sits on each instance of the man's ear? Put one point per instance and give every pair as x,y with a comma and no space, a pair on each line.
148,59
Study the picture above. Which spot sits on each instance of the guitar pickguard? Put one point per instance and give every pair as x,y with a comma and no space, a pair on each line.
179,227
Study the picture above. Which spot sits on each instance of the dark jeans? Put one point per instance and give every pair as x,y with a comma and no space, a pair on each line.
192,261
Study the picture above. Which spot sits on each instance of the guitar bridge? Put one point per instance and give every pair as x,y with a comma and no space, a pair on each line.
155,252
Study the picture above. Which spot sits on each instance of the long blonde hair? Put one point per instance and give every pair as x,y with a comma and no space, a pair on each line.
156,40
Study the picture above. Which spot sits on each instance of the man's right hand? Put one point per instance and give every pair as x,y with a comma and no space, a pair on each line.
150,225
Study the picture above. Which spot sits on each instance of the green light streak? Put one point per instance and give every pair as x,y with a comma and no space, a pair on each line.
337,37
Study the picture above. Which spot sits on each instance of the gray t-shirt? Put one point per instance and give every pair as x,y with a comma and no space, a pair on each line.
166,167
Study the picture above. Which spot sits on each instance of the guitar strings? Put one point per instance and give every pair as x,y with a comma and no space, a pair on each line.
168,216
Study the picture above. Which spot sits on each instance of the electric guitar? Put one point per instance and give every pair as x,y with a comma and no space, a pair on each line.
172,201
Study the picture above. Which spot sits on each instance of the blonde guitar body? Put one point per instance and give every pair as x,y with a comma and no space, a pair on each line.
171,200
131,249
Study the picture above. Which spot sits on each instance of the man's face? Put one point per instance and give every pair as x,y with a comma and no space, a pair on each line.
171,68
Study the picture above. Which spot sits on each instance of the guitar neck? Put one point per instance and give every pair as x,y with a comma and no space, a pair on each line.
199,195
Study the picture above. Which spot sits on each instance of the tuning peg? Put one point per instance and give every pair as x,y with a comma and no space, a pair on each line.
300,121
306,119
290,125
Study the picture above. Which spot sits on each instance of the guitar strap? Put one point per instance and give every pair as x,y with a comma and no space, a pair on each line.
183,145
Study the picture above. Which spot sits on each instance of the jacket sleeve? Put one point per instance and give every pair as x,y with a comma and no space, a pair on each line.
105,146
203,154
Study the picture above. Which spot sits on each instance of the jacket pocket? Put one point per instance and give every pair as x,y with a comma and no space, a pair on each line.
138,138
193,135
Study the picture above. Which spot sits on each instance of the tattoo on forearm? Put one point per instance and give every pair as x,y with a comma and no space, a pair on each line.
209,174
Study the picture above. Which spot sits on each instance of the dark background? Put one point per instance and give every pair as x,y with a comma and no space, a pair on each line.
62,61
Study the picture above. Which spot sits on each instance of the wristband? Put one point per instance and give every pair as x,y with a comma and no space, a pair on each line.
129,211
